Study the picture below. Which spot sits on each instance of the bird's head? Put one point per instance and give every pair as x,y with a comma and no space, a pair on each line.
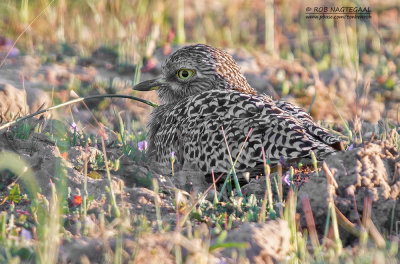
195,69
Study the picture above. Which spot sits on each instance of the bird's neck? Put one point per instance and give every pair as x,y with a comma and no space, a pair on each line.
245,88
238,83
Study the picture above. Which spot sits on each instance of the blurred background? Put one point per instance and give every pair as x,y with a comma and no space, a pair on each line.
337,69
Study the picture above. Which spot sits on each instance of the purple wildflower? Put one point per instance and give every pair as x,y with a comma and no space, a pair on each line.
26,234
282,160
13,53
286,179
142,145
222,261
73,127
172,156
7,44
51,184
350,147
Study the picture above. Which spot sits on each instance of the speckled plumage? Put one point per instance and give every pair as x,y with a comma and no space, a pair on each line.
190,119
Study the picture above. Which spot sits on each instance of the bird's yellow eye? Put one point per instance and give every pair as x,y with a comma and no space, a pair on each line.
185,74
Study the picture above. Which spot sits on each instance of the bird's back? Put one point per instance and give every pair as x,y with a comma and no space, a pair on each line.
192,128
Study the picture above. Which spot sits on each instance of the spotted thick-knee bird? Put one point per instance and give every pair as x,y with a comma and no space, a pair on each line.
201,91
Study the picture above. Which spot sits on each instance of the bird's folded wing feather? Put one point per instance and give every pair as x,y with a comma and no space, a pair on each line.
315,130
193,128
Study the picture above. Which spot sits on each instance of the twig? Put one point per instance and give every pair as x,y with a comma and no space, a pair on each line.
76,101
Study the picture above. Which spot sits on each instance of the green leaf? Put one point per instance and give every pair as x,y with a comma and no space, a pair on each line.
240,245
15,194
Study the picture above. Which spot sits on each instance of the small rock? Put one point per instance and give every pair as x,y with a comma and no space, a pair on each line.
77,156
37,100
12,103
150,248
15,102
268,242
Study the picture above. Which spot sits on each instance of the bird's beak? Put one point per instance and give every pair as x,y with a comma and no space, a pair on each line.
149,85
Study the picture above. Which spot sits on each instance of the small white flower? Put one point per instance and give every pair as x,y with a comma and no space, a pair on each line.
162,179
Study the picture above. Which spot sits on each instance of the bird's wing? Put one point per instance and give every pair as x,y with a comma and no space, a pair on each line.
318,132
194,127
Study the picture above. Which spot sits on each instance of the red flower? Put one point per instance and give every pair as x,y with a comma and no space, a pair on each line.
75,201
